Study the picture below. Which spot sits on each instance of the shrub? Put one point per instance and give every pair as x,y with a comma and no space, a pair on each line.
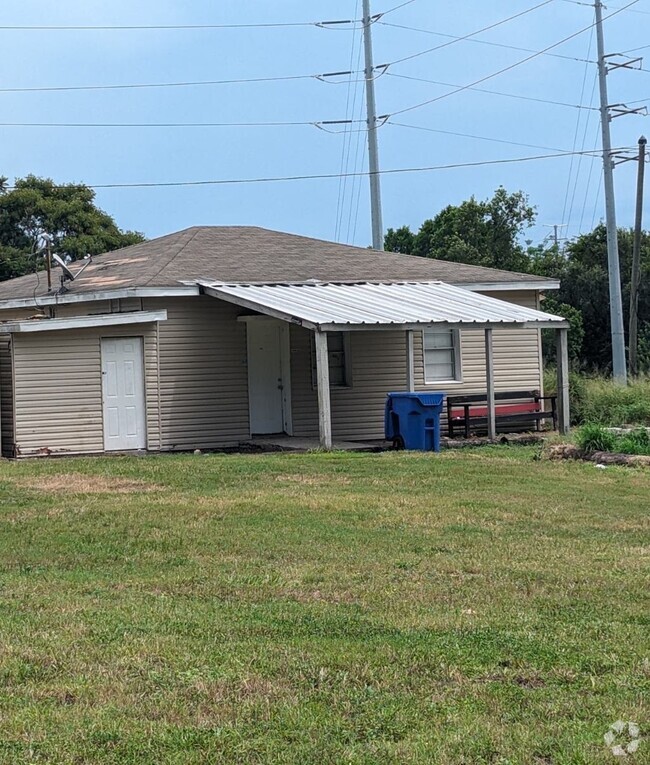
594,438
635,442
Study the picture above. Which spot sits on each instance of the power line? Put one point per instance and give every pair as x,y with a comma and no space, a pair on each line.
613,7
471,34
180,27
507,68
327,77
582,146
347,138
397,7
494,92
187,84
163,124
359,155
483,42
329,176
165,27
588,184
475,137
577,131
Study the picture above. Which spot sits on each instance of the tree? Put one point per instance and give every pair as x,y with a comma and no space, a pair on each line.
400,240
585,285
66,213
483,233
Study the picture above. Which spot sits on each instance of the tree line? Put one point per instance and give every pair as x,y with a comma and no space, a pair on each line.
66,213
491,233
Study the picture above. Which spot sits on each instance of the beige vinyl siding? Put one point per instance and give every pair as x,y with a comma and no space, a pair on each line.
122,305
203,374
6,397
378,366
58,389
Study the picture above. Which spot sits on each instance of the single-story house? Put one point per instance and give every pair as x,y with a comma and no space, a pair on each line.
210,336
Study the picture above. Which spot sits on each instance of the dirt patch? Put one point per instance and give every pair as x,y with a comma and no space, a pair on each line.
78,483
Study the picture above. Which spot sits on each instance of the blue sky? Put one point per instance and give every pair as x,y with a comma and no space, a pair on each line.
563,190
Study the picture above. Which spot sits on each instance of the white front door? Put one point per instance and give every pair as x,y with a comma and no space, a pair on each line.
123,392
268,376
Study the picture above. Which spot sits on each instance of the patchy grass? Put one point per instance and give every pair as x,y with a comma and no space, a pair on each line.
473,607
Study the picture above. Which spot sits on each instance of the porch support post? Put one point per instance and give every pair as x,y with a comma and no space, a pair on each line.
323,381
410,362
562,338
489,377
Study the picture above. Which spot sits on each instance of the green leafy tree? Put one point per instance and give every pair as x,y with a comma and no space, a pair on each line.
483,233
400,240
576,330
66,213
585,286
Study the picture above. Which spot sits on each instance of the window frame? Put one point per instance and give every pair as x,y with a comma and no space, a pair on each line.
457,348
347,365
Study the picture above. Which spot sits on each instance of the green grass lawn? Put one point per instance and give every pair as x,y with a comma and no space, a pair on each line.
472,607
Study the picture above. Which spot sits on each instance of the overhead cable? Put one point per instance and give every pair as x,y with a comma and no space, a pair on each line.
187,84
331,176
483,42
475,137
493,92
509,67
167,27
471,34
613,7
313,123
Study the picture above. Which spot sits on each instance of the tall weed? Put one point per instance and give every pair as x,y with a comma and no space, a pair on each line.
601,401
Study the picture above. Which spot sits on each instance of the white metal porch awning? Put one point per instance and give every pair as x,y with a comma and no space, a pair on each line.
365,305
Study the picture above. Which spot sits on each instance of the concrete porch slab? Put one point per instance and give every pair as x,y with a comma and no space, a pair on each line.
283,443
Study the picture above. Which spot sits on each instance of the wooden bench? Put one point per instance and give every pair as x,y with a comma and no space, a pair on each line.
518,406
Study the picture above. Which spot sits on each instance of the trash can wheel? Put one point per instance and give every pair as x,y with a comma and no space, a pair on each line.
398,443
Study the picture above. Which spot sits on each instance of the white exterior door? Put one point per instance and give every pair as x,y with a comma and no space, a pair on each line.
123,392
268,376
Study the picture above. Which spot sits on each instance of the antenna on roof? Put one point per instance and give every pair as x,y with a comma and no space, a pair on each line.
68,275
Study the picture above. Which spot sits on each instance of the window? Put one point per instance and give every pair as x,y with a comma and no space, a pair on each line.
441,348
338,352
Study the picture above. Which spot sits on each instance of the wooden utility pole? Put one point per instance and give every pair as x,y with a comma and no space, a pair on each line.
636,262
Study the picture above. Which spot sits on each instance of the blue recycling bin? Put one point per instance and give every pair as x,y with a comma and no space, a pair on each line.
412,420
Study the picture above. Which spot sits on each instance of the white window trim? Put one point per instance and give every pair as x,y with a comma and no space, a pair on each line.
458,354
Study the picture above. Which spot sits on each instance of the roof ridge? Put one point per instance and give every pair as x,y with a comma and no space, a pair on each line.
173,257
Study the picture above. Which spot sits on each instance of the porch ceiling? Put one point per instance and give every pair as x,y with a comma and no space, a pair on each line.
368,305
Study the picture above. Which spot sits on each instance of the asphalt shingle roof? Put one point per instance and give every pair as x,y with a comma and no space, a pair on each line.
246,254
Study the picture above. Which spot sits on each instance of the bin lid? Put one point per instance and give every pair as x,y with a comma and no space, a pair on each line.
425,399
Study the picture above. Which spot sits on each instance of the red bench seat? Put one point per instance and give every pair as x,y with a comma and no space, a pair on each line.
501,409
470,411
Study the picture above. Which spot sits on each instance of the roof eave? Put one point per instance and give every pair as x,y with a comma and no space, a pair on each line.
560,324
89,297
538,286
